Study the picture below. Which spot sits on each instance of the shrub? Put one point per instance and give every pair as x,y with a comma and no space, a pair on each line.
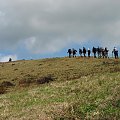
7,84
44,80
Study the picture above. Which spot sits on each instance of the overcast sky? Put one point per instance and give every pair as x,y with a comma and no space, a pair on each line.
34,27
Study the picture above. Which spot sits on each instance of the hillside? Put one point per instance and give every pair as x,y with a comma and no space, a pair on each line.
60,89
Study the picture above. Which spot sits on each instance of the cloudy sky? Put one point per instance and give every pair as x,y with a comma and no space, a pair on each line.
32,29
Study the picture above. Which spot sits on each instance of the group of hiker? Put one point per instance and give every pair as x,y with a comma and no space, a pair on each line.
99,52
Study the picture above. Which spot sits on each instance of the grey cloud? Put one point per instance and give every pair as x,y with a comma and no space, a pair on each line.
44,25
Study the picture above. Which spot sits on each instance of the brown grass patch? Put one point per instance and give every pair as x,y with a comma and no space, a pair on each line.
2,90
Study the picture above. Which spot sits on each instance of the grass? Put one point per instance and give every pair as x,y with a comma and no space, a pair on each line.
78,89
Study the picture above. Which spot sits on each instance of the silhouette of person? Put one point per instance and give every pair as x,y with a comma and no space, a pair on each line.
69,52
89,52
84,51
80,52
94,51
10,59
115,51
74,52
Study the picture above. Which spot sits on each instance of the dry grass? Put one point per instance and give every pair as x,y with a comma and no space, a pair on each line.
61,89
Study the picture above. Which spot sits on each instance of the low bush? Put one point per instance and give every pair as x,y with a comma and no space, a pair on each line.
7,84
44,80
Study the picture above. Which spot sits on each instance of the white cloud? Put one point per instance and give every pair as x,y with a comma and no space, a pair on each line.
50,25
5,58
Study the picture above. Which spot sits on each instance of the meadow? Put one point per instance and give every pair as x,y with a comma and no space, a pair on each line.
60,89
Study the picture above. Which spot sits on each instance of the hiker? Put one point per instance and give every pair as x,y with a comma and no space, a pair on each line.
103,52
115,51
10,59
89,52
74,52
94,50
80,52
69,52
106,52
99,51
84,51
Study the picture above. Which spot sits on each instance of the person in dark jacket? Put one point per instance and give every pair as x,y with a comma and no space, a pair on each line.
115,51
94,50
80,52
74,52
84,51
10,59
69,52
89,52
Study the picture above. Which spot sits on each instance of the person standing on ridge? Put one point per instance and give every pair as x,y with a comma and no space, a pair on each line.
69,52
89,52
80,52
115,51
74,52
84,51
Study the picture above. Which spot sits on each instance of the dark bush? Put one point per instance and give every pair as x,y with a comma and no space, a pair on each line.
44,80
6,84
33,80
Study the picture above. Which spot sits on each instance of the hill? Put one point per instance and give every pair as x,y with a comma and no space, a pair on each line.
60,89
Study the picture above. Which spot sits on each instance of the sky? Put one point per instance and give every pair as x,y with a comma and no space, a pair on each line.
34,29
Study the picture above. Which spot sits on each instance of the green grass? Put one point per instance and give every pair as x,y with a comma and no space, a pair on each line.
81,89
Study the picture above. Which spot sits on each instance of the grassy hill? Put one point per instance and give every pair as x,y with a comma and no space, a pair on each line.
60,89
